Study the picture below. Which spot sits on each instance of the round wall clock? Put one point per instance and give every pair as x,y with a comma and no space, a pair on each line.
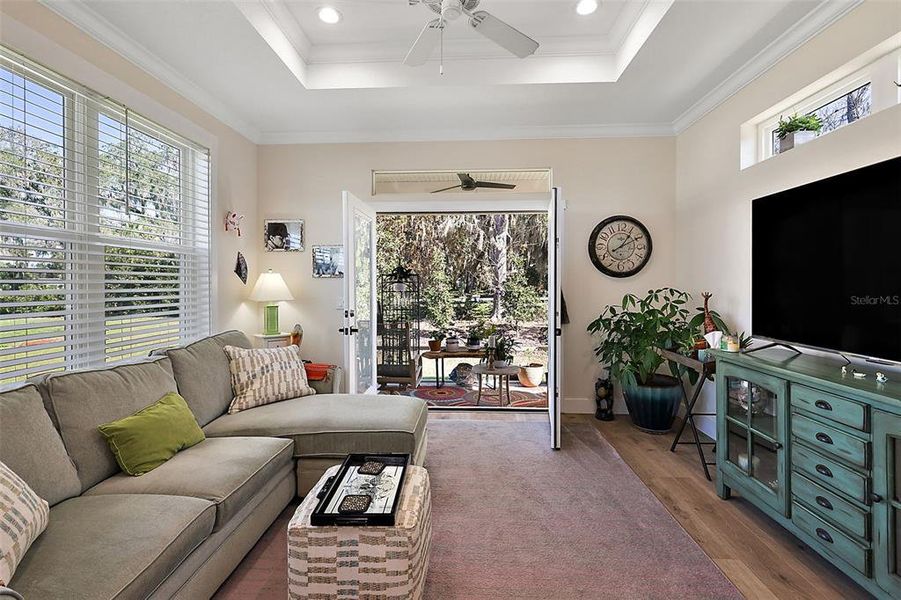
619,246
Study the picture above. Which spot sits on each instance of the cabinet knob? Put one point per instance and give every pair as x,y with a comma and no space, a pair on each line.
824,535
822,437
824,503
875,498
824,470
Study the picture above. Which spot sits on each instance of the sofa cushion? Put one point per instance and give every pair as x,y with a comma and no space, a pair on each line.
266,375
201,371
84,400
143,441
23,517
115,546
333,424
225,471
32,448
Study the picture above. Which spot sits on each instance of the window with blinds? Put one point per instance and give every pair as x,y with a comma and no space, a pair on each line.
104,228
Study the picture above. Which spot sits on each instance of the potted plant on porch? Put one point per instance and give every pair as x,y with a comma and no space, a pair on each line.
630,334
435,342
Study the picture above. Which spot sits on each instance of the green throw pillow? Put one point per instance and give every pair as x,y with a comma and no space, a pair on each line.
145,440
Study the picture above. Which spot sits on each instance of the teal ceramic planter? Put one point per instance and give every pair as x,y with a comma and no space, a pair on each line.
653,406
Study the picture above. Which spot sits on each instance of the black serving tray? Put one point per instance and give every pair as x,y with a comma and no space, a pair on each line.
383,508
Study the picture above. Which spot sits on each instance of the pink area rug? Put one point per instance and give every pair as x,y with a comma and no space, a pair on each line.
513,519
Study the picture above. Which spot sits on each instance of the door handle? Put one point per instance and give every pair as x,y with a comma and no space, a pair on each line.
342,331
352,330
822,437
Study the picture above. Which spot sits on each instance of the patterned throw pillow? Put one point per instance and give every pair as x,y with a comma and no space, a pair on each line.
23,517
265,375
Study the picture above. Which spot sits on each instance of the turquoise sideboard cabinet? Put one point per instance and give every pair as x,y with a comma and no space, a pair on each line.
819,452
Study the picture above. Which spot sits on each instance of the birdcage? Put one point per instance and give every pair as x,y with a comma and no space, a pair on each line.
399,360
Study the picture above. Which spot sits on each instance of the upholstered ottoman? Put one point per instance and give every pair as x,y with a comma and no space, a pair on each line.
368,562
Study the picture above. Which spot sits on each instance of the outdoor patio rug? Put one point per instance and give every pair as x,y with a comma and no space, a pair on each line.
513,519
456,396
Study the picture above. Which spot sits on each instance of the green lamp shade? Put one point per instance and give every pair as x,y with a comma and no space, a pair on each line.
270,319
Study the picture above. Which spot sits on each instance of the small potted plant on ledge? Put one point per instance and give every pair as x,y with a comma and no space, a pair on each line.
435,342
630,334
797,130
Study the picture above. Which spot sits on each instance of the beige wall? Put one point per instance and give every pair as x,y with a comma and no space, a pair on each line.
599,178
713,196
40,34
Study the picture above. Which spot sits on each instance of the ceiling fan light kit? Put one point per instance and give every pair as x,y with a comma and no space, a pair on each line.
501,33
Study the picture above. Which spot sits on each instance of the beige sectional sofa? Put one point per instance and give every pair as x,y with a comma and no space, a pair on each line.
178,531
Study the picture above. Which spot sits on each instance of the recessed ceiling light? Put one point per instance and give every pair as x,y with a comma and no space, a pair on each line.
330,15
586,7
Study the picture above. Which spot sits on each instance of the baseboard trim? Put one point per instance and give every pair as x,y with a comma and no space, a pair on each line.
578,406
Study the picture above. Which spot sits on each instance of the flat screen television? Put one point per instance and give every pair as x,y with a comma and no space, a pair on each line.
826,263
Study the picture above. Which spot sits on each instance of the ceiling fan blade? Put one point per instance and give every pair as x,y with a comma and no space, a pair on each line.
505,36
495,185
453,187
466,179
425,44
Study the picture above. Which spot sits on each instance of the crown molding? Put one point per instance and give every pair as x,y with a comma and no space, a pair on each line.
627,130
86,19
821,17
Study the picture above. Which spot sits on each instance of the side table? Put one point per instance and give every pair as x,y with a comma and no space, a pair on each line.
501,376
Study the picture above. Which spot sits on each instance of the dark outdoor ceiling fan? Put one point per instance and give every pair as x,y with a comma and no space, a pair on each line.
469,184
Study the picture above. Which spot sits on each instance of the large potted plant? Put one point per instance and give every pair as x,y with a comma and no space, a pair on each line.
630,333
797,130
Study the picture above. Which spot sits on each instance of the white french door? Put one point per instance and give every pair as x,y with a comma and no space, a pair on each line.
359,325
555,209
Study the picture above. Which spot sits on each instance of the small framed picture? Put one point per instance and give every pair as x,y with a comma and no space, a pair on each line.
285,235
328,261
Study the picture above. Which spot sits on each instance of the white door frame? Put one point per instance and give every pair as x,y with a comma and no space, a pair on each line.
535,203
351,206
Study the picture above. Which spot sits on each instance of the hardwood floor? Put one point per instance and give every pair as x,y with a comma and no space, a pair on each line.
760,557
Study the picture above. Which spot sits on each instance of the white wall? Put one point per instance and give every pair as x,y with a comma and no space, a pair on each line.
713,195
43,36
599,178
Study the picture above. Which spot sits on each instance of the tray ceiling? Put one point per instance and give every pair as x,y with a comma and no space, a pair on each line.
274,72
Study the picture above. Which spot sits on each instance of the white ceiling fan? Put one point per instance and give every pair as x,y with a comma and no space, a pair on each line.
499,32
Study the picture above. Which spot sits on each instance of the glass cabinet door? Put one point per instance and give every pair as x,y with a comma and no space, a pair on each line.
755,405
886,501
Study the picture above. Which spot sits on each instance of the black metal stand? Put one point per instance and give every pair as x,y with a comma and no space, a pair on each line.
690,419
772,345
705,371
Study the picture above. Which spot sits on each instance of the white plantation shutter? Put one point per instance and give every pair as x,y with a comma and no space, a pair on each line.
104,228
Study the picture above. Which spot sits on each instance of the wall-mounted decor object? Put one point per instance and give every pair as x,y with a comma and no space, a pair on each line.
233,222
620,246
241,268
285,235
328,261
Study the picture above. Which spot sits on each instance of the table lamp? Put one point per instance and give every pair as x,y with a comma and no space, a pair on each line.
271,288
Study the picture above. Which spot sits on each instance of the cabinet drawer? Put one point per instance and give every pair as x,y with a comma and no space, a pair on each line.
829,406
830,440
830,474
831,539
831,507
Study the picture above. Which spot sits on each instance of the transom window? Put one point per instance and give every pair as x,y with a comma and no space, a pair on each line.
104,228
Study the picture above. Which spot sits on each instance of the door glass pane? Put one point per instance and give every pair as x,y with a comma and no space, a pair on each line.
363,232
894,455
764,462
738,394
763,409
737,444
